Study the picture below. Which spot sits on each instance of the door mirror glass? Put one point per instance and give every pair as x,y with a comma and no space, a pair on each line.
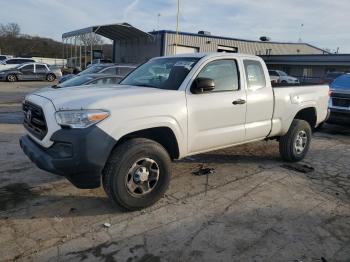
202,85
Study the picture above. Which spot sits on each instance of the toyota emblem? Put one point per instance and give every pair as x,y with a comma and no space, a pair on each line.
29,115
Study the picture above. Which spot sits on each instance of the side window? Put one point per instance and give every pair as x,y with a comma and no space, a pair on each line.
41,68
12,62
224,73
28,68
254,74
273,73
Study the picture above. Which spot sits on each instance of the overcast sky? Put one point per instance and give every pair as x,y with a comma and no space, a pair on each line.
326,22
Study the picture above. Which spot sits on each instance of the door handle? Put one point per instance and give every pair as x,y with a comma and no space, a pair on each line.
238,102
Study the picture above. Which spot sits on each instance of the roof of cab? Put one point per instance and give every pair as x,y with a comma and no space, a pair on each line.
213,54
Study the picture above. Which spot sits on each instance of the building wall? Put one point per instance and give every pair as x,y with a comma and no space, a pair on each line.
210,44
137,50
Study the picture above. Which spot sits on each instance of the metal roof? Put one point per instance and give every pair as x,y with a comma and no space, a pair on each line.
235,39
326,59
121,31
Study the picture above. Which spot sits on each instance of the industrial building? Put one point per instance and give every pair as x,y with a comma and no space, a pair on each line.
131,45
160,43
309,67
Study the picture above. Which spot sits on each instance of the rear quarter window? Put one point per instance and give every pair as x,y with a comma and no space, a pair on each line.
255,75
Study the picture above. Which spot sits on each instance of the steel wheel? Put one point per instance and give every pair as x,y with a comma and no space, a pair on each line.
142,177
300,142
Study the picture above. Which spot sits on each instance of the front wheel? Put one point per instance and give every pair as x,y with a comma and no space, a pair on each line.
294,145
137,173
11,78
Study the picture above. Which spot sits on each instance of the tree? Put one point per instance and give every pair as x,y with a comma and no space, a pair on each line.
10,30
93,39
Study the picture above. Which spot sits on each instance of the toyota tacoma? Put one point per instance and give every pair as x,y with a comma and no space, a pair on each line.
168,108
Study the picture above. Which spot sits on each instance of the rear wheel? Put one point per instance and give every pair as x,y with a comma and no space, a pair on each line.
294,145
50,77
11,78
137,173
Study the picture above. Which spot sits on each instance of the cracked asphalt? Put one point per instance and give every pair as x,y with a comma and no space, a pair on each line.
253,207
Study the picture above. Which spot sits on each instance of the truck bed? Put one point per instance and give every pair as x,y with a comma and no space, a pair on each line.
289,97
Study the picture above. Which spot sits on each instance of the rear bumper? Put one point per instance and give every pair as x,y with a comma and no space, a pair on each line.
77,154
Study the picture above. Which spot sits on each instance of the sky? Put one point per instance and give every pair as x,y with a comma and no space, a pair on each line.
325,23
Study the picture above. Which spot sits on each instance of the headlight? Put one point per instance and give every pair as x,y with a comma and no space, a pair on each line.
80,118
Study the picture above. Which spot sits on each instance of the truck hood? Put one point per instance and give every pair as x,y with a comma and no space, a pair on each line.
88,97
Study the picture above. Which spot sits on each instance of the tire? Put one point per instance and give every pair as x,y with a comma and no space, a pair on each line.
294,145
284,82
11,78
50,77
123,168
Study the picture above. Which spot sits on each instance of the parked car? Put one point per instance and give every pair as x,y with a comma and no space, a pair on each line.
283,78
119,70
329,77
29,71
13,62
4,57
90,79
100,61
339,102
168,108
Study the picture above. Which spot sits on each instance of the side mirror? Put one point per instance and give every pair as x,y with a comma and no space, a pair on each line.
202,85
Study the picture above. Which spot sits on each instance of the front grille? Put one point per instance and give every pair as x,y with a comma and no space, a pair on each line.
34,120
341,102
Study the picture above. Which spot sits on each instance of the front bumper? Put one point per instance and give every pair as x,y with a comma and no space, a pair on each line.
339,116
77,154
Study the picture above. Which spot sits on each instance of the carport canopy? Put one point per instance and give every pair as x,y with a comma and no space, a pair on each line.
113,31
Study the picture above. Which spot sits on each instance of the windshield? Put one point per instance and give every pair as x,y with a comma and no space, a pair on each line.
282,73
341,82
163,73
76,81
92,70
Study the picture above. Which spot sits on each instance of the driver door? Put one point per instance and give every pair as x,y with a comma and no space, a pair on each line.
217,118
27,73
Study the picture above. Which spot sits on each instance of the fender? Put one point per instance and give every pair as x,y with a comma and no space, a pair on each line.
142,123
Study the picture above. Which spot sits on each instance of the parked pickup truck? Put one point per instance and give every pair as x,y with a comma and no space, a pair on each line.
168,108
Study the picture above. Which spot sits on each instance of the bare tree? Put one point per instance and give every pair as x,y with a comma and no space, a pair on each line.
93,39
10,29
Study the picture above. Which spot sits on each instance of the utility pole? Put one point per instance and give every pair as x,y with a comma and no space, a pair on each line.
300,29
177,25
158,17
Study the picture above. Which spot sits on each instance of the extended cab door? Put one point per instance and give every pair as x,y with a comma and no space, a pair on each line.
260,101
217,118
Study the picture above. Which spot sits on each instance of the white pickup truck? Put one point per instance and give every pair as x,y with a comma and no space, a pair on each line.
168,108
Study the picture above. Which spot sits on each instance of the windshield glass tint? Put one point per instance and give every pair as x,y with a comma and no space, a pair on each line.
163,73
342,82
76,81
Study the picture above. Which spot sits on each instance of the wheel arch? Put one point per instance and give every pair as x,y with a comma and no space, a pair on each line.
162,135
308,114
